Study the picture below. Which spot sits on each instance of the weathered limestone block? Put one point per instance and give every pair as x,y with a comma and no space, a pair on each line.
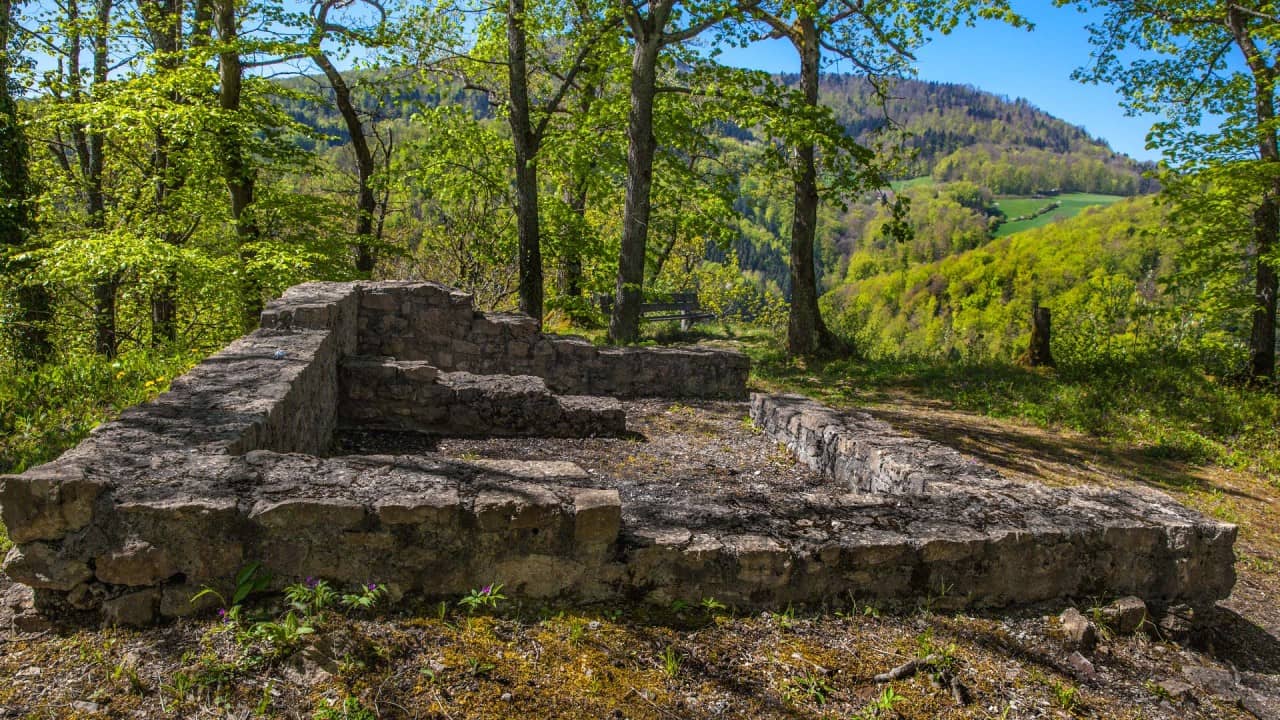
41,566
1125,615
597,516
138,563
547,471
47,502
295,513
199,537
132,610
539,576
517,506
763,563
439,508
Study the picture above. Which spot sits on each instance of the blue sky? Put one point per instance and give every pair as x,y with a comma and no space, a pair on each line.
1035,65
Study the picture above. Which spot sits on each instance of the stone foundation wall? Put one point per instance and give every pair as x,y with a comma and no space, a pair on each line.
431,323
858,451
410,395
227,468
948,520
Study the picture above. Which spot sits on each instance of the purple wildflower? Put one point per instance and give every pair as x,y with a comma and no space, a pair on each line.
487,589
312,582
372,586
222,614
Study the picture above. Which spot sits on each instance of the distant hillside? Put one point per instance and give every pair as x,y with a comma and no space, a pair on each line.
1099,272
954,130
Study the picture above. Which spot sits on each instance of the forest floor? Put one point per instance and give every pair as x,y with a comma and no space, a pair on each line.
700,660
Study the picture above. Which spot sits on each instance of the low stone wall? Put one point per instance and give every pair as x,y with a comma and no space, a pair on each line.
228,467
945,520
431,323
858,451
408,395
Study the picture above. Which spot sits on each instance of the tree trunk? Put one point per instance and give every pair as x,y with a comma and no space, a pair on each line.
1266,220
105,287
164,23
624,324
570,277
575,197
526,150
240,177
29,324
807,334
1038,353
366,203
1262,341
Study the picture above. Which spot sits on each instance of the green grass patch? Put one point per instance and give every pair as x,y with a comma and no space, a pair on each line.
1069,205
1160,407
45,410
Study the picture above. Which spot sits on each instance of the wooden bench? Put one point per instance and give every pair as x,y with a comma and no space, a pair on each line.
682,306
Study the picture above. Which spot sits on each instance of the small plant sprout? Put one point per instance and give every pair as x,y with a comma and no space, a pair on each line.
887,699
311,597
810,686
711,605
486,597
941,657
670,661
1065,696
250,580
787,618
283,635
479,668
368,596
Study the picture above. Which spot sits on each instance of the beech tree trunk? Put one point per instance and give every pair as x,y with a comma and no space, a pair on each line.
624,324
29,323
366,202
526,150
164,23
1262,342
570,277
240,177
1266,219
1038,354
807,334
106,340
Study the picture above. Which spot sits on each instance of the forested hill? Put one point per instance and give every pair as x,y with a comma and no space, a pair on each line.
959,132
954,132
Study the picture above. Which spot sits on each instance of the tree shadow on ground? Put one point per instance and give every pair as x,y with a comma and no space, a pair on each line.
1233,638
1054,457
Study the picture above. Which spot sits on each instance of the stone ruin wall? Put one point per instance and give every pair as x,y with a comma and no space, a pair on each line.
228,467
416,321
999,537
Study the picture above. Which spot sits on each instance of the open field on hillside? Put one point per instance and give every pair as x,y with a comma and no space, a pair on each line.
1071,204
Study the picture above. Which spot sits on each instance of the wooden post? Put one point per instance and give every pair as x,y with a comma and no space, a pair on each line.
1038,353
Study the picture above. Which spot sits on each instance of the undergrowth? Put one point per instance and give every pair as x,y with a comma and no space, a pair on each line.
45,410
